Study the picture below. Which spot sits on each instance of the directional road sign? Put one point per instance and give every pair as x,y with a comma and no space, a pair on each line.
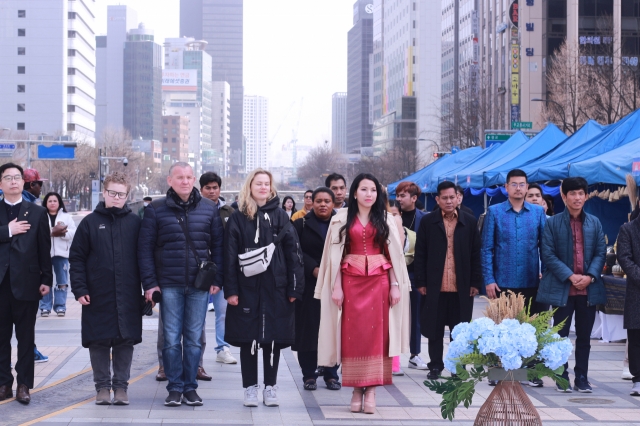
56,152
521,125
7,149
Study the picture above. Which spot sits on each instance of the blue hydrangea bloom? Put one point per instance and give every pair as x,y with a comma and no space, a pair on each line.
556,354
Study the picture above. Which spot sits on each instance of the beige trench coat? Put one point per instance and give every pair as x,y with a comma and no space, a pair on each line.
330,315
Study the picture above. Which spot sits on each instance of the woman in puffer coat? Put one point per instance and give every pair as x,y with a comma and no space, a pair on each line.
261,312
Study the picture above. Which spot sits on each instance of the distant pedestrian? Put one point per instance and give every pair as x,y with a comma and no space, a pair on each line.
306,208
574,252
338,184
63,228
106,282
312,231
261,312
145,202
25,277
179,233
32,186
548,205
289,206
629,260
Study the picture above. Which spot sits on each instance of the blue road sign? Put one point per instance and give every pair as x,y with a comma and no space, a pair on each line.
455,149
56,152
7,149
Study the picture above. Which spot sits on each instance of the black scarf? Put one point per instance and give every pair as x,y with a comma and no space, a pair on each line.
176,198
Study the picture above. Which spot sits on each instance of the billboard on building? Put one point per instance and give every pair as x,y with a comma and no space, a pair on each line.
179,80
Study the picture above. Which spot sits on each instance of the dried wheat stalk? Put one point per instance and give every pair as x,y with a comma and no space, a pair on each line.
508,305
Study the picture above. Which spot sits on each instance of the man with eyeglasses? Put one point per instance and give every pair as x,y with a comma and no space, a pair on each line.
511,239
25,276
173,228
307,207
106,281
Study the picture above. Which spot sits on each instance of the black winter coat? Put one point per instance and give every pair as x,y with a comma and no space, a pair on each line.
430,256
104,265
308,308
263,313
165,258
629,260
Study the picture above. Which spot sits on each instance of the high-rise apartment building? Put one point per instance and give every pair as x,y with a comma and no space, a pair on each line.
339,120
403,65
142,107
220,130
255,122
220,23
110,66
47,67
175,137
359,47
187,91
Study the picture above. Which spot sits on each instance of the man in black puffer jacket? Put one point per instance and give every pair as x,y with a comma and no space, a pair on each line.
168,264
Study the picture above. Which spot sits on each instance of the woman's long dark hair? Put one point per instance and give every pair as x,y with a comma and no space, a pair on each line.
549,200
284,201
60,202
377,215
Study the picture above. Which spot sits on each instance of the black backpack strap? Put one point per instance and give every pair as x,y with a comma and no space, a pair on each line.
188,237
282,233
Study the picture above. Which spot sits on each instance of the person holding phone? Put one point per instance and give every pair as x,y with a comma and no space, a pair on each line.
63,228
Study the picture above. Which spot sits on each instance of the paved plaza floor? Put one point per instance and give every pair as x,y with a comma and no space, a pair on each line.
64,393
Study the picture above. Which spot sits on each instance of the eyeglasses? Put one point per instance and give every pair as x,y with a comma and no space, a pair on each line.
307,197
518,185
16,178
115,194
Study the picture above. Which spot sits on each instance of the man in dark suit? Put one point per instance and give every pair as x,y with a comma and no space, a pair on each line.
448,270
25,274
407,194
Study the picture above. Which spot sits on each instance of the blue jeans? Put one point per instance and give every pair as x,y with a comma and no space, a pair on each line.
58,295
183,311
220,306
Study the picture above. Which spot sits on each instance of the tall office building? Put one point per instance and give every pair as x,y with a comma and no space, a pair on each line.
175,137
142,107
220,23
221,117
255,122
110,66
48,67
404,65
187,91
360,46
339,120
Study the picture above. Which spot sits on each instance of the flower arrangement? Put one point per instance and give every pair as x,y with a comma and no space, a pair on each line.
508,338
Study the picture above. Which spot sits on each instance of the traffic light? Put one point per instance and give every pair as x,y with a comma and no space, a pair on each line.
437,155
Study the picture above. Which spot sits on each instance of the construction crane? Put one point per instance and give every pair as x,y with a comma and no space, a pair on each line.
294,141
281,123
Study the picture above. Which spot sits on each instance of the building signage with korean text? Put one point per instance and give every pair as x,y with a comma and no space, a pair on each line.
514,13
179,80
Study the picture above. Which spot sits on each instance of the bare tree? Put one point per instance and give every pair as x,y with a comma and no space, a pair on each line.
319,162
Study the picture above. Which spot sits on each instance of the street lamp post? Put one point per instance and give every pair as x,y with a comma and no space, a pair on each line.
564,119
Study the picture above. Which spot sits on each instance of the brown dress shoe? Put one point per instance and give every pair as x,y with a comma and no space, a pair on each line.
22,394
202,375
161,377
5,392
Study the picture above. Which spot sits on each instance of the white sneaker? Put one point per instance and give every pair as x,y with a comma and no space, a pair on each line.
210,307
225,357
269,397
635,390
251,396
626,374
417,363
397,373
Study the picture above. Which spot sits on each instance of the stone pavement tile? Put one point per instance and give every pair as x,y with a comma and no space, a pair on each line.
618,414
336,412
423,413
147,421
58,420
547,414
393,413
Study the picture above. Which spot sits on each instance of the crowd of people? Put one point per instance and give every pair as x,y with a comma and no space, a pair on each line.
350,281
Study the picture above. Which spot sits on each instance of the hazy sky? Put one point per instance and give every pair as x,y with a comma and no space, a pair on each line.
295,52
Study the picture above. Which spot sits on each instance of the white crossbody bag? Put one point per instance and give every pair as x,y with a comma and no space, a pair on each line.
257,261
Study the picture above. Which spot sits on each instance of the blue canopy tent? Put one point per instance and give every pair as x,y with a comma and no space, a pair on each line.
529,152
472,170
422,177
556,164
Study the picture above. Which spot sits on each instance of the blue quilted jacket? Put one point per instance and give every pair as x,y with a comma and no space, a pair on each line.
164,257
557,256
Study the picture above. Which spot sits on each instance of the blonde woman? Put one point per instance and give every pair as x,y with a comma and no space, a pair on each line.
363,274
261,312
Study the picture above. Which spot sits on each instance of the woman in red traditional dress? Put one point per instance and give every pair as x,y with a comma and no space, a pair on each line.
370,282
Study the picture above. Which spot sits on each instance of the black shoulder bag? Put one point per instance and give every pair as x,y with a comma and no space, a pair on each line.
206,269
